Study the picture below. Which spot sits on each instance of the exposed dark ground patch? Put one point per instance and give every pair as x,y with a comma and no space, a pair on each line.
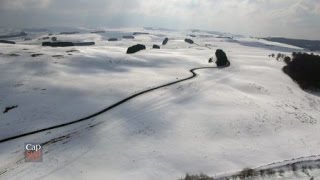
58,139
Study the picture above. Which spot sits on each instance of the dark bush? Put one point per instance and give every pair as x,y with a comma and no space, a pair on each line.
156,46
7,42
136,48
304,69
222,59
84,43
197,177
262,172
57,44
281,172
128,37
165,41
280,56
36,55
98,32
73,32
112,39
190,41
140,33
287,59
67,44
294,167
271,172
246,173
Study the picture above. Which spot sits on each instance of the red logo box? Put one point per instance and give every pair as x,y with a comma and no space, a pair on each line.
33,152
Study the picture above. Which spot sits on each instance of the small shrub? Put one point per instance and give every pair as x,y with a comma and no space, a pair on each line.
281,172
272,55
294,167
197,177
287,59
271,172
280,56
245,173
262,172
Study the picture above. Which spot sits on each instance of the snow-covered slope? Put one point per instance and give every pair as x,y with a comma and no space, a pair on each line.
224,120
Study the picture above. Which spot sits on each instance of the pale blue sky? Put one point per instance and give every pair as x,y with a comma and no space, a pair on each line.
289,18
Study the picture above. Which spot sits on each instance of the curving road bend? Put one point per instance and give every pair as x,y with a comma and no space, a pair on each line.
192,71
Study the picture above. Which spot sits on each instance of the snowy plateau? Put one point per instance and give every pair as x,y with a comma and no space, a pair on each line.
222,121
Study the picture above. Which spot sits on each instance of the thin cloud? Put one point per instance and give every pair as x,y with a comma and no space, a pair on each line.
294,18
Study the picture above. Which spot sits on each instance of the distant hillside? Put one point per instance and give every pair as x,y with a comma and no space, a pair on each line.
306,44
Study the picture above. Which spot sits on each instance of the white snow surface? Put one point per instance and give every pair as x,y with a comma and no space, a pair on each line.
224,120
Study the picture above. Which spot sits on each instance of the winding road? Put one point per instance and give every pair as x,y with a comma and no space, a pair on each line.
192,71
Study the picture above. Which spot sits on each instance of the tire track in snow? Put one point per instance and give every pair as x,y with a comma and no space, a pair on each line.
192,71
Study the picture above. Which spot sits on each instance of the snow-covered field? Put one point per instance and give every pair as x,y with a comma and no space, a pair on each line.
245,116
